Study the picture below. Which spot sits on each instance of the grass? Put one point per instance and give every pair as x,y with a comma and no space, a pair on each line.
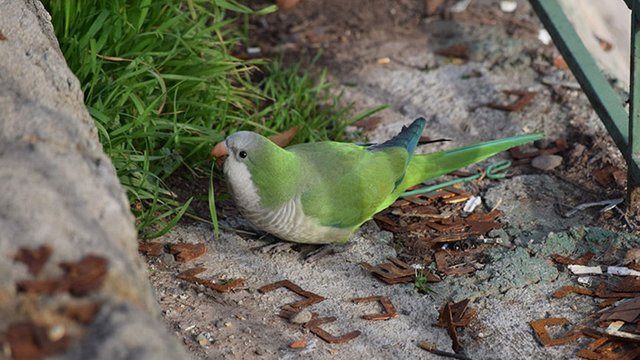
421,284
162,84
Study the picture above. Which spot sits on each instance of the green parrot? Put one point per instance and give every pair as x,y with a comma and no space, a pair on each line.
320,193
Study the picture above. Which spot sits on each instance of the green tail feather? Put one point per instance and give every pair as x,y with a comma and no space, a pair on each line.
429,166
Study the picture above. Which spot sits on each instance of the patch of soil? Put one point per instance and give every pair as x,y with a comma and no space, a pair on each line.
365,45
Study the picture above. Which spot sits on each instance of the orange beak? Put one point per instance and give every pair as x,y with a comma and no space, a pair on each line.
220,152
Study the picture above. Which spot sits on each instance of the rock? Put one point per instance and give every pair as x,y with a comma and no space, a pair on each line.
384,236
167,259
546,162
301,317
59,189
219,324
202,339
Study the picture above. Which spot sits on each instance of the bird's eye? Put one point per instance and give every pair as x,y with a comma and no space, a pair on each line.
242,154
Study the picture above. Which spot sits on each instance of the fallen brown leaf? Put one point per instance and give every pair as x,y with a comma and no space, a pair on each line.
564,260
82,313
457,51
28,340
628,283
559,62
34,259
461,314
627,311
369,123
42,286
432,6
190,276
524,98
151,248
283,139
632,255
604,176
80,278
540,328
604,44
566,290
287,4
86,275
185,252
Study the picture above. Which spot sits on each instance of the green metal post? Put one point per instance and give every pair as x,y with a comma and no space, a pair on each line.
633,183
603,98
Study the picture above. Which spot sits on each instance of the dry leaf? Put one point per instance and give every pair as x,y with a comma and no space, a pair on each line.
284,138
604,44
369,123
287,4
185,252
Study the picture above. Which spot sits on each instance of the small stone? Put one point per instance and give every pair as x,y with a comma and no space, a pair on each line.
202,339
577,151
508,6
227,324
384,236
546,162
301,317
298,344
219,324
167,258
56,332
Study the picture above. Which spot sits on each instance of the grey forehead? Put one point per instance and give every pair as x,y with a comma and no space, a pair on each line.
241,139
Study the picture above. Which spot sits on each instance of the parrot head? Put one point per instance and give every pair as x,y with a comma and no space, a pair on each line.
243,146
256,167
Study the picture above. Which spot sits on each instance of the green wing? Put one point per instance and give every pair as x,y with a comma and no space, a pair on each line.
345,184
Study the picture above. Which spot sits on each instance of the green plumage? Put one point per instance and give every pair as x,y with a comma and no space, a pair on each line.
339,185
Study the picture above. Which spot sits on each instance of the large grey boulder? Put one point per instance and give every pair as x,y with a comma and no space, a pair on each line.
58,188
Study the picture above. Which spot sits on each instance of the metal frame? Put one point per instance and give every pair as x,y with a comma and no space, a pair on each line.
623,126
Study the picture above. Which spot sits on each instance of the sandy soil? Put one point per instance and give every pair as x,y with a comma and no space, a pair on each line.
383,52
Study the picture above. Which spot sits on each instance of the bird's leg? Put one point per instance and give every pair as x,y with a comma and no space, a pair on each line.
274,245
277,247
321,251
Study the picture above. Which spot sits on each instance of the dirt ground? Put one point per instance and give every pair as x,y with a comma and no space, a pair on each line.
386,52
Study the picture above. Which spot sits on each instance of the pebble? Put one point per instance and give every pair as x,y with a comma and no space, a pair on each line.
384,236
508,6
202,339
301,317
56,332
546,162
167,258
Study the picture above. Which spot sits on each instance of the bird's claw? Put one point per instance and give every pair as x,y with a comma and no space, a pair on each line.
324,250
277,247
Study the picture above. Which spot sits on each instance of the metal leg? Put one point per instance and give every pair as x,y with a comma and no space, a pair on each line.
633,176
622,126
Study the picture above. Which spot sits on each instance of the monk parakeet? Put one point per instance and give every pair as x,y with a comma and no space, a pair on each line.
320,193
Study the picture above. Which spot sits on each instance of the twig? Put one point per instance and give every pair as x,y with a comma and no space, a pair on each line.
609,204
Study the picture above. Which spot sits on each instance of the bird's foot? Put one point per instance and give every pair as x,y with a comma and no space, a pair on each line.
276,247
320,251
